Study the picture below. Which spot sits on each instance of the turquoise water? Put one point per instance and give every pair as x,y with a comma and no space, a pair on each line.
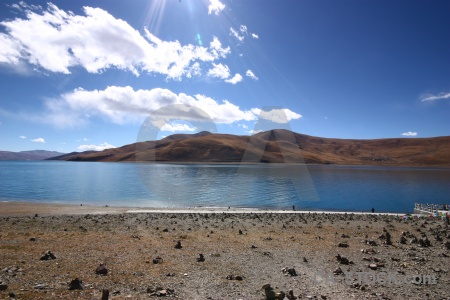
336,188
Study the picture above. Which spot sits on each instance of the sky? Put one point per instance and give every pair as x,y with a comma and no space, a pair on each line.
87,75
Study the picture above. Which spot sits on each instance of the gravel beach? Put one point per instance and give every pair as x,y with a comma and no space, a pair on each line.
50,251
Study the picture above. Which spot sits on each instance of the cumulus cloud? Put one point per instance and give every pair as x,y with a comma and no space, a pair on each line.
409,133
97,41
215,7
100,147
250,74
39,140
122,105
22,137
220,71
176,127
282,115
441,96
236,78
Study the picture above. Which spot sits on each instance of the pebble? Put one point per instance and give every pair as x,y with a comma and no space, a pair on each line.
101,270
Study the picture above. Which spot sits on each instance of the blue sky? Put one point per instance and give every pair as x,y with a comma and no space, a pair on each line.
82,75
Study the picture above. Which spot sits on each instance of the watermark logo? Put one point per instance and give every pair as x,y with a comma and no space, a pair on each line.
369,278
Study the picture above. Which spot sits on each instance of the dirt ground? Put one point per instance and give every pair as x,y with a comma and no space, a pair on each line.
379,256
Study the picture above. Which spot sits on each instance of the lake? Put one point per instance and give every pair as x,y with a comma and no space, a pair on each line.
266,186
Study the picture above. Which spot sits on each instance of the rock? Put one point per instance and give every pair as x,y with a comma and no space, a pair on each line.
304,259
338,271
403,240
101,270
269,292
3,286
388,238
280,295
157,260
342,260
373,266
48,255
178,245
105,294
447,245
235,277
289,271
343,245
76,284
424,242
290,295
201,258
369,251
371,243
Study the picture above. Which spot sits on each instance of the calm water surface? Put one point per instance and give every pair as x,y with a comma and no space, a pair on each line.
337,188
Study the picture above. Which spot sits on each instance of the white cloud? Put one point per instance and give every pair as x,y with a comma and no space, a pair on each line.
220,71
236,34
100,147
22,137
39,140
236,78
56,40
254,131
283,115
409,133
122,105
243,29
255,36
215,7
243,126
250,74
436,97
176,127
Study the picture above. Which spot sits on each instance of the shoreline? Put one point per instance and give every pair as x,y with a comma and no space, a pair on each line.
48,208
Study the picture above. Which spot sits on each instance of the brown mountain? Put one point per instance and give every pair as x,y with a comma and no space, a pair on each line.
28,155
279,146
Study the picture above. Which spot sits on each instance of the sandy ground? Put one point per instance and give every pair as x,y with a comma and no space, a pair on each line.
243,250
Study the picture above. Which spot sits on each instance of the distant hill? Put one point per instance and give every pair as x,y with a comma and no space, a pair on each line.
278,146
28,155
68,156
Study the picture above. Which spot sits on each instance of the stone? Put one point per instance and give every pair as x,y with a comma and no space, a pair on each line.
157,260
178,245
269,292
201,258
3,286
105,294
76,284
280,295
343,245
290,295
101,270
342,260
48,255
289,271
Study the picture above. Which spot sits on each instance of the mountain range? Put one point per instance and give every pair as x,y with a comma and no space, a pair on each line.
278,146
28,155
